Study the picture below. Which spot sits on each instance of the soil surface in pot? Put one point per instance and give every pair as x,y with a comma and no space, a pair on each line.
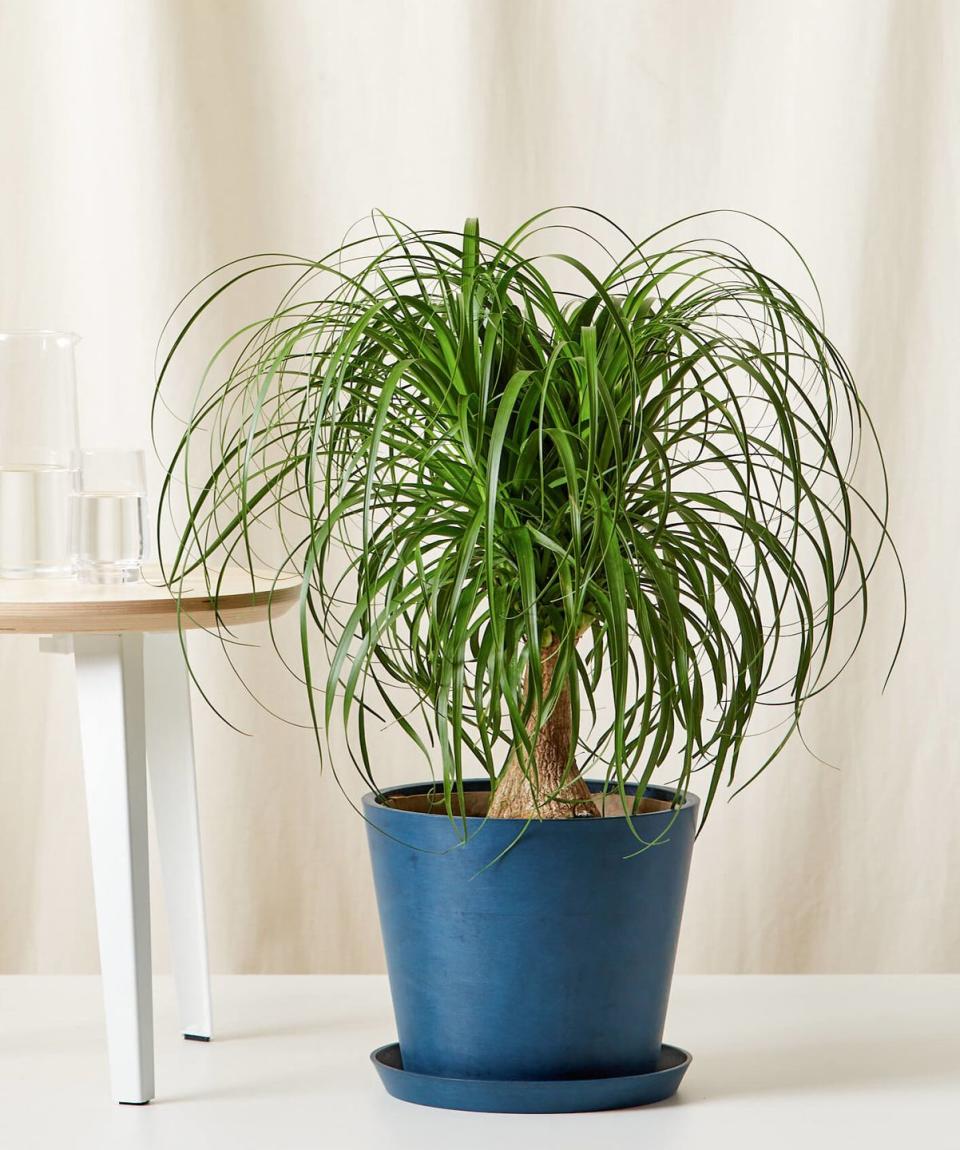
477,802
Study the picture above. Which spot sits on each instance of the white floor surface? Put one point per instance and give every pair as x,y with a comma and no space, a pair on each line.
778,1063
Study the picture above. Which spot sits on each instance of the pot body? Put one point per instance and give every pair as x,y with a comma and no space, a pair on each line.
553,961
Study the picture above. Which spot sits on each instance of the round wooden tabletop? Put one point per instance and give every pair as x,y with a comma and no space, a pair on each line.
67,606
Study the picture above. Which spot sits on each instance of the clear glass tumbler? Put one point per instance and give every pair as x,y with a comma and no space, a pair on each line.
38,446
109,519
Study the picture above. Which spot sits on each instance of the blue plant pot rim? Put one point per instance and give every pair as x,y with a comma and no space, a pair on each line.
667,794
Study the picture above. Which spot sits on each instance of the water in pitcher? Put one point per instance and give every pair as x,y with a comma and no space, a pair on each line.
108,527
35,521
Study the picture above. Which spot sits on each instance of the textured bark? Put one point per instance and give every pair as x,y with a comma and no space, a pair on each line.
540,796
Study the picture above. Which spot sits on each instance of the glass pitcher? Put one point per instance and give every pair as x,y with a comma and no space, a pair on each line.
38,452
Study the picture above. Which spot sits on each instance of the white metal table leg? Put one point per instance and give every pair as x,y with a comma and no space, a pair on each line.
174,789
110,692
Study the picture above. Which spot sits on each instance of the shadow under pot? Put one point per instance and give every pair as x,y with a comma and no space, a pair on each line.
540,959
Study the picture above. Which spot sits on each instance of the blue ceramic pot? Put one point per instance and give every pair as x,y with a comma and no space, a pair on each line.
553,962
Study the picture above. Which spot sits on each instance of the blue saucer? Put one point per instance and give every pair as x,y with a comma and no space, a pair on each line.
560,1096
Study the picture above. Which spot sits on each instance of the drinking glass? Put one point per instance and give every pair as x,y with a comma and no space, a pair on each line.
109,516
38,445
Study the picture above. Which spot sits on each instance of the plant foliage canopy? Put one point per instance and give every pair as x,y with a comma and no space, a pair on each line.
630,495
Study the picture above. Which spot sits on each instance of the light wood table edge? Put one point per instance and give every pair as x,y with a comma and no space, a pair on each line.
144,615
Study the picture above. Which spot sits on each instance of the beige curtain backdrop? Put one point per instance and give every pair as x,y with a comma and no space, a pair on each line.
143,144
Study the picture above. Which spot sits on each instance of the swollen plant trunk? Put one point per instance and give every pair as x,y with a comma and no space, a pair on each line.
551,787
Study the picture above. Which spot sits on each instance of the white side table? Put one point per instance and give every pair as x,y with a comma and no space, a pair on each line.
134,698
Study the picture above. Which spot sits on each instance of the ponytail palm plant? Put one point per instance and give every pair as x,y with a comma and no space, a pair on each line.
549,517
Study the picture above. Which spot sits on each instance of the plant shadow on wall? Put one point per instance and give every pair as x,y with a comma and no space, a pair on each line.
566,509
